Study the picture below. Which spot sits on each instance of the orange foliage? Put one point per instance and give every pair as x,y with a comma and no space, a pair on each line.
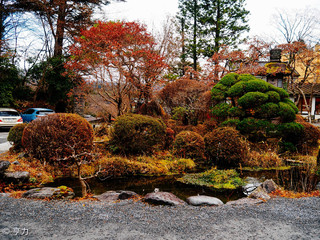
291,194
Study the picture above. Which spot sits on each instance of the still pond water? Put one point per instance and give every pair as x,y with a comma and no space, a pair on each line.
293,179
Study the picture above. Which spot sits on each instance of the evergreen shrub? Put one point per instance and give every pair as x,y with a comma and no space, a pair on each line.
136,134
15,135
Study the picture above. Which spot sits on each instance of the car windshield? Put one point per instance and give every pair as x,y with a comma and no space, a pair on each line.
9,114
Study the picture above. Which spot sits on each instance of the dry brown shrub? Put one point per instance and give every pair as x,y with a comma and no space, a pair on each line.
263,159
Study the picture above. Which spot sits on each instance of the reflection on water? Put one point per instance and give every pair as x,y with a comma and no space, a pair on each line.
295,179
144,185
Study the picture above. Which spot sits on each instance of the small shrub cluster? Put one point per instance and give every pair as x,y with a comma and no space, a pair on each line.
189,144
268,159
225,147
135,134
58,137
213,178
309,139
15,136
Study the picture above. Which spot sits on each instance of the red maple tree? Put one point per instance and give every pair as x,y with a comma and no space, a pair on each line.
121,56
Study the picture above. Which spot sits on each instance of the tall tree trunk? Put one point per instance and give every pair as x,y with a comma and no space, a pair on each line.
218,29
2,17
61,22
183,56
194,49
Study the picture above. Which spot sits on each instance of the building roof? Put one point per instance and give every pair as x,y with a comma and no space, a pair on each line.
307,88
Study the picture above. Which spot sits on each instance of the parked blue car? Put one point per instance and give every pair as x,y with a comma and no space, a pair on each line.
33,113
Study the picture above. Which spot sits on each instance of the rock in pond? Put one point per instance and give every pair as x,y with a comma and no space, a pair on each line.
260,193
4,165
245,201
49,192
163,198
111,196
204,200
17,176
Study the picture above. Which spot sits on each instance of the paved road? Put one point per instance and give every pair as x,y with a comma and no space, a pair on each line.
4,144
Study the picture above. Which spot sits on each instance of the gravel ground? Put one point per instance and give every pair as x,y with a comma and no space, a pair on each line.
277,219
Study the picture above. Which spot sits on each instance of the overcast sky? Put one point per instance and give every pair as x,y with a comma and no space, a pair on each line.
153,12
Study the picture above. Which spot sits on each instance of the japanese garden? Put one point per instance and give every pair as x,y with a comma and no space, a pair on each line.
197,117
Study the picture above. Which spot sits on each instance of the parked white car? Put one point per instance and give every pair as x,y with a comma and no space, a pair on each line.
9,117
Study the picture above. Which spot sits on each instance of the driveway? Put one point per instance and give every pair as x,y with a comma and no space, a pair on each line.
4,144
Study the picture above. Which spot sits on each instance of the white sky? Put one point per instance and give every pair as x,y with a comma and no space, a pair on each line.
154,12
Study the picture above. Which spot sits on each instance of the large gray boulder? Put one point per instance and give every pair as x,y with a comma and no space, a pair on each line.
4,165
108,196
50,193
163,198
16,177
204,200
111,196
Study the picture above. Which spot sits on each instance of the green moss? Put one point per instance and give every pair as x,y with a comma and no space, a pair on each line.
216,179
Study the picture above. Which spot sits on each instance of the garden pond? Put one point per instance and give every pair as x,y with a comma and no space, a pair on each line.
295,179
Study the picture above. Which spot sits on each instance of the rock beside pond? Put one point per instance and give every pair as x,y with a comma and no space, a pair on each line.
269,185
17,176
4,195
244,201
251,184
49,192
111,196
164,198
108,196
260,193
204,200
4,165
126,194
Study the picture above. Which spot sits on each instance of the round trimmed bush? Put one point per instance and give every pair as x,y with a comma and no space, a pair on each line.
225,147
134,133
311,133
60,136
15,135
189,144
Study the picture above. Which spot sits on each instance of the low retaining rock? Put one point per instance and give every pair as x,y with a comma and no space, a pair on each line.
16,176
204,200
244,201
49,192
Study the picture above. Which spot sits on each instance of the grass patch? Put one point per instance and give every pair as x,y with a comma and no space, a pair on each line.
215,179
